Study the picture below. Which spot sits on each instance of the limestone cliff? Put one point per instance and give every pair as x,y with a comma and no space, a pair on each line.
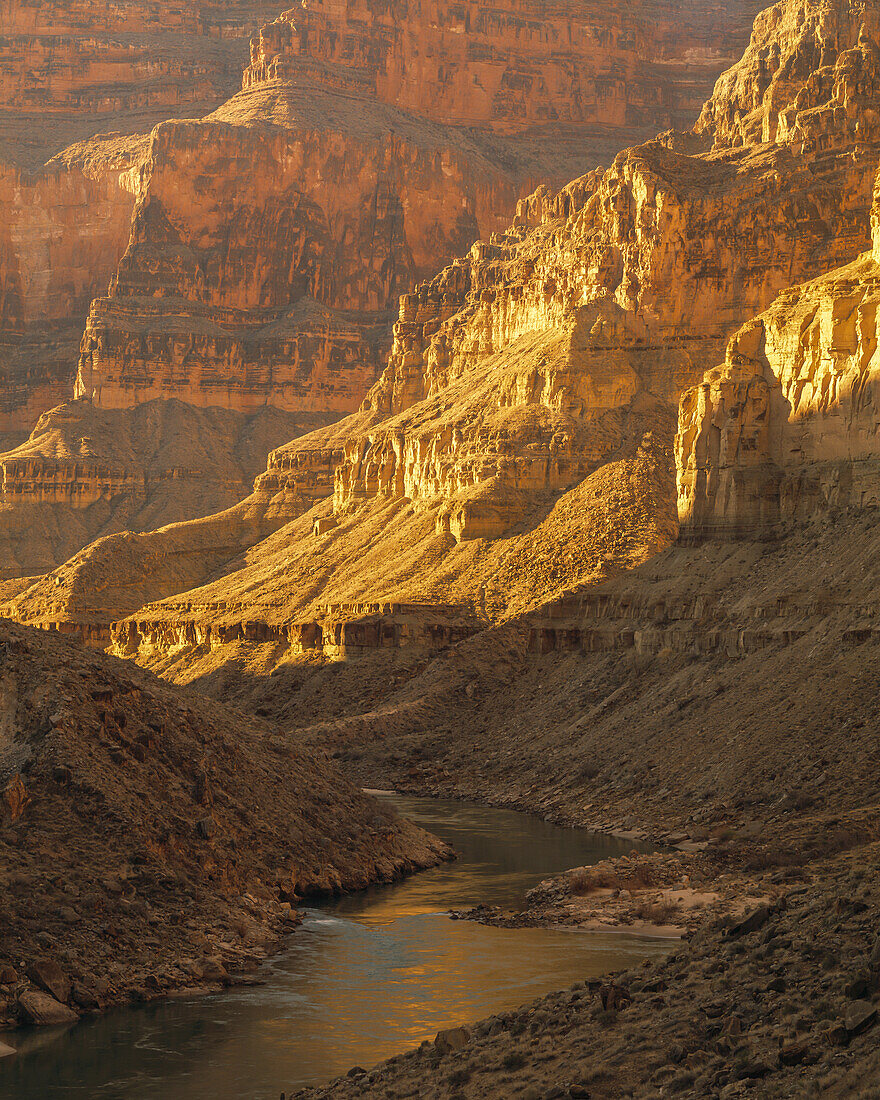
509,66
786,429
68,72
553,353
368,147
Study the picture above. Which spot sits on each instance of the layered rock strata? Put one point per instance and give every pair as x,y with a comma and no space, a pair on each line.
85,473
364,187
69,70
644,268
511,66
543,369
62,232
338,633
785,431
67,189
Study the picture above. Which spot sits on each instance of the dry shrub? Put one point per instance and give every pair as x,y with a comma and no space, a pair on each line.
602,877
656,912
580,882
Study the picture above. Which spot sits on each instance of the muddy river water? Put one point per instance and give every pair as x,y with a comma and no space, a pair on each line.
363,978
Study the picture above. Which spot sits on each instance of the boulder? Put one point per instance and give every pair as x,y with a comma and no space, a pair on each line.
48,975
751,922
453,1038
860,1015
42,1010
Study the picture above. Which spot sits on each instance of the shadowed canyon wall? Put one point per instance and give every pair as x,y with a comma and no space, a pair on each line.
80,86
85,473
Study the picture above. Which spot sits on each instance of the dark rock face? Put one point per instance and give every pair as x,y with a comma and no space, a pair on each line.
114,834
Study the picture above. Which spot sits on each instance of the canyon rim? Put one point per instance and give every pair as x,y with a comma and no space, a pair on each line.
463,400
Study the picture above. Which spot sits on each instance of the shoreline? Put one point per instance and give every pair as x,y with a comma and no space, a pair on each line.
221,970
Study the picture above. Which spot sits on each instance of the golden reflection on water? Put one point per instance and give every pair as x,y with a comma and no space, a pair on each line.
366,977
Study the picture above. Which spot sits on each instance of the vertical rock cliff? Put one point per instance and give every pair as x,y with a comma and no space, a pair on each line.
786,429
62,231
530,373
80,85
644,270
368,147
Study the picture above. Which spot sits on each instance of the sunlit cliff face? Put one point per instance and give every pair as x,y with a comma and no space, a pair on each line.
786,428
412,107
510,66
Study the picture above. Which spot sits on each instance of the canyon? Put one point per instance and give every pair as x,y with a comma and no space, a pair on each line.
520,439
329,95
218,260
589,530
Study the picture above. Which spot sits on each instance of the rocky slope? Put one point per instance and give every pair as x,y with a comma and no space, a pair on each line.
128,805
85,473
80,86
527,375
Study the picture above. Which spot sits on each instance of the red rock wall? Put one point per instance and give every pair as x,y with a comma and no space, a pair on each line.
370,146
67,72
510,65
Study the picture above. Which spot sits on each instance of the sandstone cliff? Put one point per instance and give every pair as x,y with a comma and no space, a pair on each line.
533,368
786,429
364,186
69,72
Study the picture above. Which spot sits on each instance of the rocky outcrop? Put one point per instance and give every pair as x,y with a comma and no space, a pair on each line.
338,633
336,186
85,473
786,429
125,801
274,288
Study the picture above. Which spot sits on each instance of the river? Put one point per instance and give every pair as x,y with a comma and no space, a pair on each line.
364,977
